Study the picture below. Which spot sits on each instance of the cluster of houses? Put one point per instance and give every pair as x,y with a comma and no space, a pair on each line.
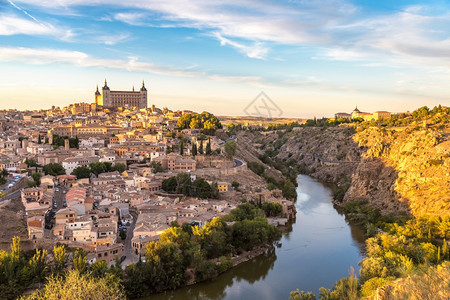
91,212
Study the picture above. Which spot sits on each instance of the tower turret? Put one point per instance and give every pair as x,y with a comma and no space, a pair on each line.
143,86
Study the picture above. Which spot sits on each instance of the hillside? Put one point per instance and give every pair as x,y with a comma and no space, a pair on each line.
399,166
409,164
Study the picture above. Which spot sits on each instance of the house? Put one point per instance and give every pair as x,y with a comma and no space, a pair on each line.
66,215
223,186
108,253
139,242
35,226
176,163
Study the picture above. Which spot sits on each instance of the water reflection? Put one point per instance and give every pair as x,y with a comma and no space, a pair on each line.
316,250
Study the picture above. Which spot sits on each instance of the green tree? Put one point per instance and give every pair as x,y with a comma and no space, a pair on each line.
120,167
288,190
301,295
230,149
38,267
82,172
100,167
194,149
235,184
165,266
54,169
208,147
37,177
123,235
256,167
200,148
157,168
169,184
181,145
272,209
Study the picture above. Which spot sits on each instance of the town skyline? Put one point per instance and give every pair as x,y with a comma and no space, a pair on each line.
311,59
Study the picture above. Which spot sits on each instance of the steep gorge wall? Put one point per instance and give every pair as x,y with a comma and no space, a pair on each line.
413,169
400,169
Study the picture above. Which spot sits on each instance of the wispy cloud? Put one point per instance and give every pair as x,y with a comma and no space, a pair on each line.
257,50
113,39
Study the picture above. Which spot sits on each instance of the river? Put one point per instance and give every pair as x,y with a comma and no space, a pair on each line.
318,249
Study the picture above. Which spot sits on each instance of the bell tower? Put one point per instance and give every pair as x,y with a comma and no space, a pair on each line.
143,99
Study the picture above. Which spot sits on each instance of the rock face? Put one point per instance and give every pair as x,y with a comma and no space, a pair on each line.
411,166
404,169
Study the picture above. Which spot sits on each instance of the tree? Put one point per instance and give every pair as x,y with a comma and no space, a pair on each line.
230,149
157,168
54,169
256,167
208,147
80,286
215,190
123,235
272,209
301,295
201,188
120,167
37,266
59,253
165,266
79,261
31,163
100,167
81,172
200,148
39,139
288,190
194,149
37,177
169,184
181,145
235,184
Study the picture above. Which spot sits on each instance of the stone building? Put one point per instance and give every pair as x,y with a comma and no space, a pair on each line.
115,99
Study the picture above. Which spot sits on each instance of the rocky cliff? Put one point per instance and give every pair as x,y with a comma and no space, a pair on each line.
399,167
404,168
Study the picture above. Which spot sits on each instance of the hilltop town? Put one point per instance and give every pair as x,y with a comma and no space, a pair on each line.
106,176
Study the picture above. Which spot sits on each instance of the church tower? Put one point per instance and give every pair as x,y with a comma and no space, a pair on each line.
106,95
143,99
98,98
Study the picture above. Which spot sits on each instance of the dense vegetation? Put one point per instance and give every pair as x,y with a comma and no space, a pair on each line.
206,251
182,184
3,175
19,271
98,168
206,121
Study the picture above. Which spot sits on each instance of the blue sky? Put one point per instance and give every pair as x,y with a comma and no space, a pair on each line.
312,58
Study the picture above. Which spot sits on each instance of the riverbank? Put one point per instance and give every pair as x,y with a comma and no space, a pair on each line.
316,249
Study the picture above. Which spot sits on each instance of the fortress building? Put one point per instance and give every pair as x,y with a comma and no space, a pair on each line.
114,99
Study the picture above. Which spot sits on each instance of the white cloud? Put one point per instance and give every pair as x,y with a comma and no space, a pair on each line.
257,50
131,18
11,25
113,39
405,37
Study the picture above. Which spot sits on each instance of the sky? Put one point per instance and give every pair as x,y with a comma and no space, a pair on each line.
309,58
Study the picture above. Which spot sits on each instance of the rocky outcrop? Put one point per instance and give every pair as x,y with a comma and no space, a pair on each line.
398,169
404,167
